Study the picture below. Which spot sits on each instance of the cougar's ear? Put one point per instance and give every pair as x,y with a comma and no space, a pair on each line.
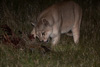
33,24
45,22
33,33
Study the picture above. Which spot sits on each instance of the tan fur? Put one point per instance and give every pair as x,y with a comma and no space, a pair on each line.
57,19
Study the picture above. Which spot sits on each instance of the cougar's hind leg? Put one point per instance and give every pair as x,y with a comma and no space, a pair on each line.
76,27
76,31
76,34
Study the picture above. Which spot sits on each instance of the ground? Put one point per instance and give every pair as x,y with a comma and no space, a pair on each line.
19,14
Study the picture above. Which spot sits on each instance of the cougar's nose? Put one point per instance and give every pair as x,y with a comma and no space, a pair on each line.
46,41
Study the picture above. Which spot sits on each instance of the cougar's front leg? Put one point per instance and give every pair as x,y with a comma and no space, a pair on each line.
55,40
56,31
56,37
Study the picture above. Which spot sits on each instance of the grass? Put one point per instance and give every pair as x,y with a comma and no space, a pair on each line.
18,15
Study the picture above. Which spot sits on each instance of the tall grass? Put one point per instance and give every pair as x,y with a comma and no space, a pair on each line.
19,14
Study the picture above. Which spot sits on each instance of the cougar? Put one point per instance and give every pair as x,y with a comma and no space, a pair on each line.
58,19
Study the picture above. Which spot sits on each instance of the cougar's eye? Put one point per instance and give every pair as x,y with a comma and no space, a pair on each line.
43,33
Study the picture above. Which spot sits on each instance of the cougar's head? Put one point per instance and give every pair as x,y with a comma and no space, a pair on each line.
42,30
